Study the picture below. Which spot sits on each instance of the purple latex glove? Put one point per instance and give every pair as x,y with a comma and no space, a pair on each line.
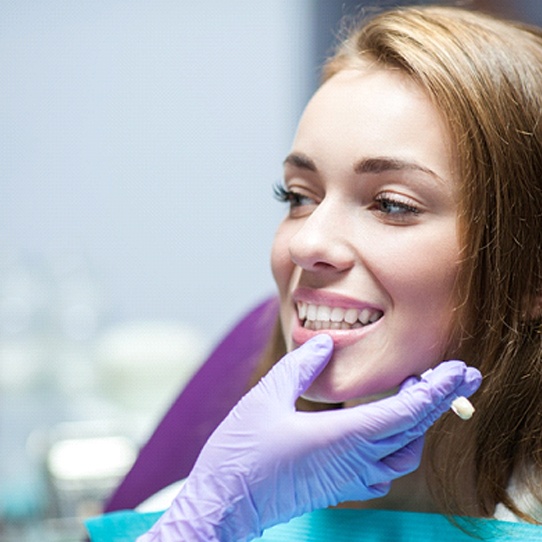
267,463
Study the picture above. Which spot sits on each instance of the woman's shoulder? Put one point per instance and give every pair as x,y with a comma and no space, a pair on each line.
522,494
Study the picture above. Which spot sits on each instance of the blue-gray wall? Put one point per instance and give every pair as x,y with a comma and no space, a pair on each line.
139,144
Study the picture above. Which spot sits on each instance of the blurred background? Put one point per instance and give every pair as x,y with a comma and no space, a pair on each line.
140,141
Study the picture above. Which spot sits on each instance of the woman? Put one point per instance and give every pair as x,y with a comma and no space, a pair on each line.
414,235
489,96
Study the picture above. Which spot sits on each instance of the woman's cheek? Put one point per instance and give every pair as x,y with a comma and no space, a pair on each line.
281,264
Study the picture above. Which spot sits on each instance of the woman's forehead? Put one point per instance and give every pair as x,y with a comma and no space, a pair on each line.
375,116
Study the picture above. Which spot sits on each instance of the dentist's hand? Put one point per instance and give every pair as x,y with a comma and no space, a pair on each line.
267,463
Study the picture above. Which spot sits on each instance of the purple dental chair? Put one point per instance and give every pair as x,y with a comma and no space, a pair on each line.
172,449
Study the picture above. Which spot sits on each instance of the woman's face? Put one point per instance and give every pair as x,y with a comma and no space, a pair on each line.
369,250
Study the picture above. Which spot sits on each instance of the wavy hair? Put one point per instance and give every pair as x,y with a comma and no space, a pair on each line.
485,77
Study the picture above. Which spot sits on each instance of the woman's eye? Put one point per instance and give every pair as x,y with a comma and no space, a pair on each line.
293,198
395,208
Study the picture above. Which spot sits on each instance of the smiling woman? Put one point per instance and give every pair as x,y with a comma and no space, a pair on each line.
413,235
371,228
466,168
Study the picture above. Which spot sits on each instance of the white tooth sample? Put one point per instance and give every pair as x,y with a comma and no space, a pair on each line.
317,325
351,316
302,310
323,314
337,314
344,325
375,316
364,316
311,312
463,408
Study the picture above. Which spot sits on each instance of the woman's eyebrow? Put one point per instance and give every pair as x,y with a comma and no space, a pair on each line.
381,164
301,161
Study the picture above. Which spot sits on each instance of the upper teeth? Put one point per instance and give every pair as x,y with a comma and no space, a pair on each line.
324,313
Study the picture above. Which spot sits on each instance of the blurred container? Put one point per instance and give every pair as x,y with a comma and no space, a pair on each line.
143,365
83,463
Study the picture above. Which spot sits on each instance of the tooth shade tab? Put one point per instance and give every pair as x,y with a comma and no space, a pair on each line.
463,408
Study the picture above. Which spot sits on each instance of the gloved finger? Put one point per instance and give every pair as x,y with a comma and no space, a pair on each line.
405,460
373,491
439,381
296,371
380,489
470,384
414,408
391,423
394,443
400,463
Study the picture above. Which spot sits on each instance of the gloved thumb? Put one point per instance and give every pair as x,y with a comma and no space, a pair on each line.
408,383
296,371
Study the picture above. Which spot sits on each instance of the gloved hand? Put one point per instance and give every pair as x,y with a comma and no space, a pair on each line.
267,463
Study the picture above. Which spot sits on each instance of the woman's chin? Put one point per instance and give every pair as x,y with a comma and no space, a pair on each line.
333,387
347,400
325,390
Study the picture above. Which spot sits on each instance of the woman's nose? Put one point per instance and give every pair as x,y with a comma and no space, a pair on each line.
323,241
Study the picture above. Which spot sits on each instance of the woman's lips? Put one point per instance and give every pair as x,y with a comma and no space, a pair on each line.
345,319
341,337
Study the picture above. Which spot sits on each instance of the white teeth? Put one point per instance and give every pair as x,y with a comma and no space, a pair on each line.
311,312
325,317
364,316
337,314
374,317
351,316
323,313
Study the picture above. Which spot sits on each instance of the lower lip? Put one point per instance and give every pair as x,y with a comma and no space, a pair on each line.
341,337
